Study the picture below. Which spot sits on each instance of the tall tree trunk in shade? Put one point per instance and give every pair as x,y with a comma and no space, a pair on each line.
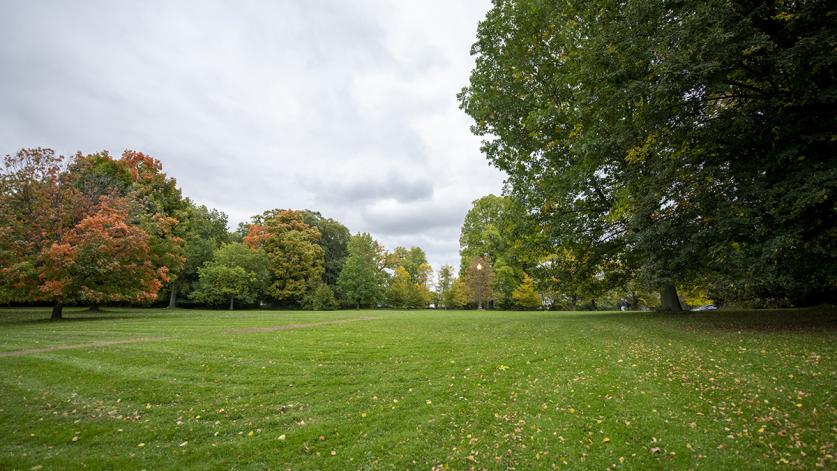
668,298
173,297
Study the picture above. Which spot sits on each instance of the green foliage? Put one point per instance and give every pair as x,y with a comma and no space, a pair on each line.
236,272
414,261
296,257
204,230
403,293
221,283
525,295
362,280
506,279
334,239
484,231
444,286
320,298
458,295
693,140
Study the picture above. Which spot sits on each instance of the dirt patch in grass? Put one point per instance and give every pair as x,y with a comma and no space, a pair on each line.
103,343
279,328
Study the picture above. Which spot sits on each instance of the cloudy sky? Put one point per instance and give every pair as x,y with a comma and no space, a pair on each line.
343,106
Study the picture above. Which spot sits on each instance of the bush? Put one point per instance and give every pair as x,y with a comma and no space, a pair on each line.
321,298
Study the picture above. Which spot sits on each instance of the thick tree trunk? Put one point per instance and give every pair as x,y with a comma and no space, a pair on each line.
173,297
668,298
232,300
56,312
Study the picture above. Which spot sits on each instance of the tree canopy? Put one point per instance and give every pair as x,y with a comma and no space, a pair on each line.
687,140
362,280
82,230
236,271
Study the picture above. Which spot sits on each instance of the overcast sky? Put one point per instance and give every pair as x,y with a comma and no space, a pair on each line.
345,107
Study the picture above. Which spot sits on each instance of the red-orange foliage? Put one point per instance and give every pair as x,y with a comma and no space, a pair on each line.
102,259
142,166
256,235
78,236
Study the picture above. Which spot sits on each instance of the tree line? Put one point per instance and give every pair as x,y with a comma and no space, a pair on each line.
666,150
94,229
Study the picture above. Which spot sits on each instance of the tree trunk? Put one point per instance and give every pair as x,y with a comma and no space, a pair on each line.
56,312
668,298
232,300
358,306
94,308
173,297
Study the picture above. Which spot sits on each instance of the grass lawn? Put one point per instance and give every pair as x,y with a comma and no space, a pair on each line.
158,389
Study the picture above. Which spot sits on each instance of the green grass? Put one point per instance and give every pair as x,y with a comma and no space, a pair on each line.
524,390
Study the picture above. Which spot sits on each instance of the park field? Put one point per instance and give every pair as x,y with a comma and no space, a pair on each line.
158,389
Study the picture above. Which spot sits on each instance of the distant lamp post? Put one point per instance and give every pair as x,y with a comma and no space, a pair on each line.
479,285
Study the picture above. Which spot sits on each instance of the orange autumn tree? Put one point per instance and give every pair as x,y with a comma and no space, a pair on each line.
139,177
36,210
102,259
54,227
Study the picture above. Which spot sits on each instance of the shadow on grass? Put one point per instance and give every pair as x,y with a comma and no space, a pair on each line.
820,318
24,316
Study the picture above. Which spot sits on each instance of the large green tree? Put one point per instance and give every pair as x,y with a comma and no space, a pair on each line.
296,257
362,280
404,293
414,261
334,239
695,136
236,272
498,229
204,230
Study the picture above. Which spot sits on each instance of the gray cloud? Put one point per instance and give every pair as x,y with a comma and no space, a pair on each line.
382,186
344,107
394,219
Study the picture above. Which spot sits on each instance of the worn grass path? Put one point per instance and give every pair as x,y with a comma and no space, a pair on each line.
158,389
